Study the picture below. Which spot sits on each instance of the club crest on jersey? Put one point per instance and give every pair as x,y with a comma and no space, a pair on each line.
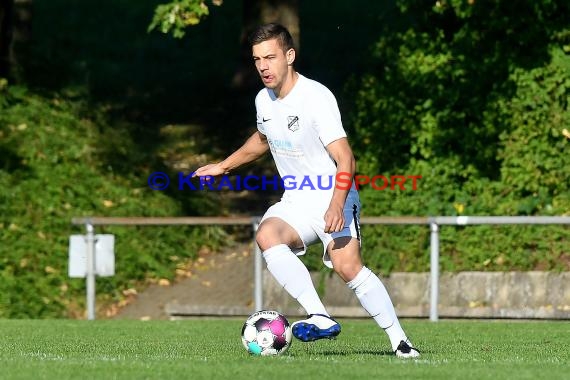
293,123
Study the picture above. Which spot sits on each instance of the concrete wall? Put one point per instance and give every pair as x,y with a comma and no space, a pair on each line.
462,295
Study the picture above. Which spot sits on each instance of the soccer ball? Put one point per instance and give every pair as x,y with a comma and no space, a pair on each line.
266,332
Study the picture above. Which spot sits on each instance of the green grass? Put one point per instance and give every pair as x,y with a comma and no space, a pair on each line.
211,349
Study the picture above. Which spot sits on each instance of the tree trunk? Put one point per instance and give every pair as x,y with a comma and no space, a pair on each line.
255,13
284,12
22,20
15,28
6,27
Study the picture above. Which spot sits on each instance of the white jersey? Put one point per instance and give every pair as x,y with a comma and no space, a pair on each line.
298,129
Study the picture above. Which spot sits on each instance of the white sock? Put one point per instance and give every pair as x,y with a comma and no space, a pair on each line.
375,299
290,272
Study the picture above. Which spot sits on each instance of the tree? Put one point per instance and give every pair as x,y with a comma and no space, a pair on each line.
15,27
256,12
6,25
174,17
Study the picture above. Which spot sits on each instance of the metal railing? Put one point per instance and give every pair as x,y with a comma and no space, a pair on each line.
433,222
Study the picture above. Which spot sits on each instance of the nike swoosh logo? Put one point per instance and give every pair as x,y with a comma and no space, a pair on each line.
265,120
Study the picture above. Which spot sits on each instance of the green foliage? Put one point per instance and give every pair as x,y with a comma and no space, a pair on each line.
176,16
80,138
473,97
536,163
55,165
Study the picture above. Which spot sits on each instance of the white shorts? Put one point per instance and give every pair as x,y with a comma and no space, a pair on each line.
307,217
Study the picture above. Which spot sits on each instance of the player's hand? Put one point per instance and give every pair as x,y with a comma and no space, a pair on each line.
213,170
334,219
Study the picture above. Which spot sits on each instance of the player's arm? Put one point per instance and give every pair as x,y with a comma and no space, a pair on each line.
254,147
341,152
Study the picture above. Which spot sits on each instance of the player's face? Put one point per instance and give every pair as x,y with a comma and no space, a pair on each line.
272,63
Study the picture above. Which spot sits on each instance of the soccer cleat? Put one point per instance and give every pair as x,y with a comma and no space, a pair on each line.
316,326
405,350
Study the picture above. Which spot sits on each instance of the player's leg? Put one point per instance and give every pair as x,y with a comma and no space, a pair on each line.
344,253
275,238
284,233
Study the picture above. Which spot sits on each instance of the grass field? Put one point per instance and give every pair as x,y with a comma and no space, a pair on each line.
211,349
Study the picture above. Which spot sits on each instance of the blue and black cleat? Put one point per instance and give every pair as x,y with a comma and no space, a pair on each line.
316,326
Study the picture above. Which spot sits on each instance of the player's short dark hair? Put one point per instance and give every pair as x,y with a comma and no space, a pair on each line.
272,31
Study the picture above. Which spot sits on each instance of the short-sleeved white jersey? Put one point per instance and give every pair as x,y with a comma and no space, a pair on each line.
298,129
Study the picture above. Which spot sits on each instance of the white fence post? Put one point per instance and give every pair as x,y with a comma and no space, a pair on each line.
90,273
434,271
257,271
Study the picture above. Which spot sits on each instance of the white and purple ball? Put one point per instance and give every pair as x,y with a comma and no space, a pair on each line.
266,332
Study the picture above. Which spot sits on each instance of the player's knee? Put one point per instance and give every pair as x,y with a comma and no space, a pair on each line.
348,271
265,238
271,233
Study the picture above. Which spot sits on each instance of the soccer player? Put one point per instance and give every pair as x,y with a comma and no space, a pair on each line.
299,121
